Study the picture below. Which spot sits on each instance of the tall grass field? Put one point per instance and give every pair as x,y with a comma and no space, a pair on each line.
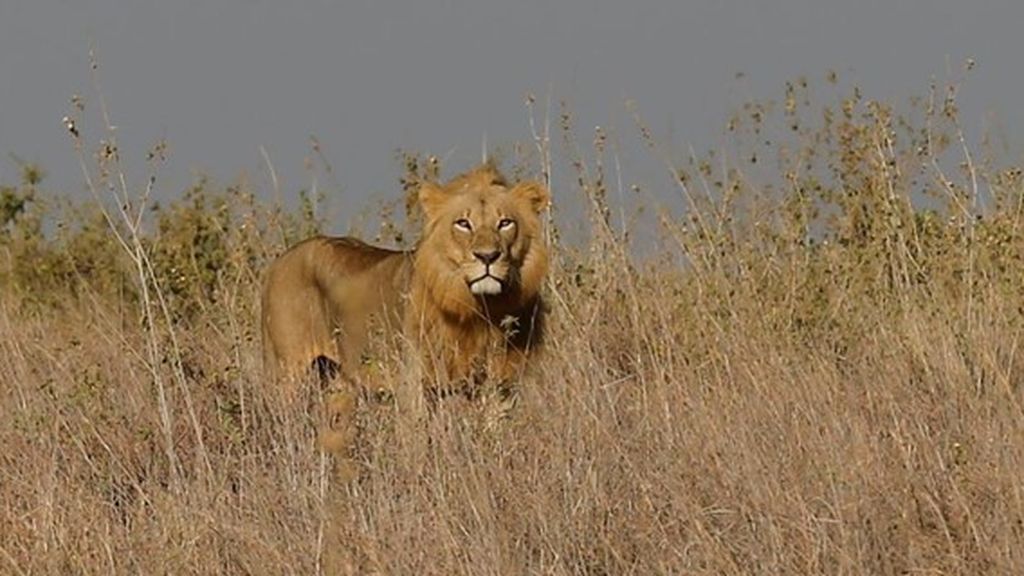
797,353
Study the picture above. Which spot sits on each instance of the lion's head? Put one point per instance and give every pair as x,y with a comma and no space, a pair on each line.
480,247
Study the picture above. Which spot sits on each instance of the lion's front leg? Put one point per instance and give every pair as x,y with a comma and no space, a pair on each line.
506,370
411,411
506,375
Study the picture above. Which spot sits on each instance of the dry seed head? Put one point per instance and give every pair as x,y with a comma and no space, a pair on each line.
69,124
107,152
790,106
158,152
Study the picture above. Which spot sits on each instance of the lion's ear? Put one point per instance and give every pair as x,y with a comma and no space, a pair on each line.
431,197
534,194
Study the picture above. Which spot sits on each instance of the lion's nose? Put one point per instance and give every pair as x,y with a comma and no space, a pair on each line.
487,257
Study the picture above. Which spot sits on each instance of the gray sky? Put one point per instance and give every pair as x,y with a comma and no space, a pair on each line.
220,78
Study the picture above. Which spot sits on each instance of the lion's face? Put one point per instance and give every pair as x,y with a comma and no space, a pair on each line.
480,237
481,230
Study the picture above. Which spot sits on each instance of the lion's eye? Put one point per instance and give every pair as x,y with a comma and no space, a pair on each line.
463,224
506,223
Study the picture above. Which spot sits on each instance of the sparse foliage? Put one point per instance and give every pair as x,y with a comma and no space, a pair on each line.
816,370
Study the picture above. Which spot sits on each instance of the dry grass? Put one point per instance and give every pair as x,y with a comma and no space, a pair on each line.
812,374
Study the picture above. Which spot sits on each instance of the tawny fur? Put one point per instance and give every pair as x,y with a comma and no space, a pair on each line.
466,299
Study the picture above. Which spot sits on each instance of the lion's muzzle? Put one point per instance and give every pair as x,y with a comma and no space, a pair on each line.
486,285
487,273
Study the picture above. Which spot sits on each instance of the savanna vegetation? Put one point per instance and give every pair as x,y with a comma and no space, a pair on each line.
810,367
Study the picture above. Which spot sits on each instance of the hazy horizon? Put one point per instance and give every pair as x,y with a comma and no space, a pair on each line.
221,80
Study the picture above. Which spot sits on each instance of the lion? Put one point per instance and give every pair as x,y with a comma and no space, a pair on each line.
466,300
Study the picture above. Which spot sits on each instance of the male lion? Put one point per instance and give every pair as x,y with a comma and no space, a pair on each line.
466,299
